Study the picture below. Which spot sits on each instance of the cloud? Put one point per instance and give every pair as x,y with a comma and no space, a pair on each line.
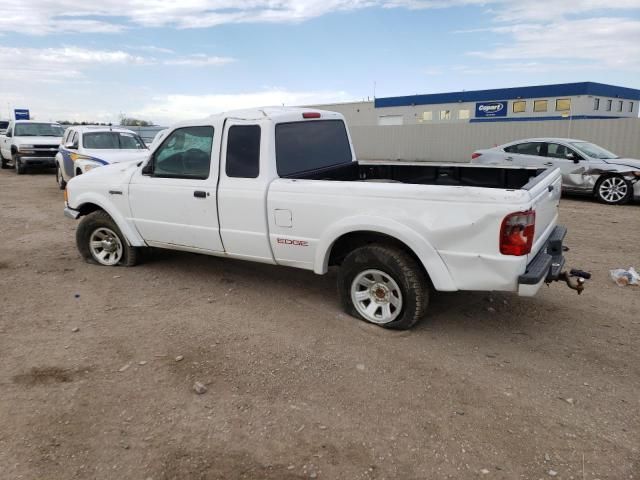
39,17
70,62
55,64
607,42
171,108
199,60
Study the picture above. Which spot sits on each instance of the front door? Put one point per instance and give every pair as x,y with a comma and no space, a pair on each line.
571,164
5,145
173,198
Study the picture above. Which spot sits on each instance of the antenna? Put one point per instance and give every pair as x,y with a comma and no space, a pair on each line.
374,89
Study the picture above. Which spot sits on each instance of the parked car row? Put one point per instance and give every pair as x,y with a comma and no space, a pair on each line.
586,168
74,151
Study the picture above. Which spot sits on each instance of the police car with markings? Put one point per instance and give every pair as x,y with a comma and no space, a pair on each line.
86,147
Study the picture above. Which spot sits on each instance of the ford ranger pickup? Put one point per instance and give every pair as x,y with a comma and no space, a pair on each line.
282,186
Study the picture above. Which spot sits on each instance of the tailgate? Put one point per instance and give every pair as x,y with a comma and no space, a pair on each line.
545,195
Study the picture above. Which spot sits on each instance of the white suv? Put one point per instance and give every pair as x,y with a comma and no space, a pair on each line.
85,147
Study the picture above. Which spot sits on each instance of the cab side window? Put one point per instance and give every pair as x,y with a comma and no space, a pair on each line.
529,148
243,151
185,153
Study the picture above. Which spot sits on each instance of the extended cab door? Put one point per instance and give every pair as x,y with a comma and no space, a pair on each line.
173,198
242,191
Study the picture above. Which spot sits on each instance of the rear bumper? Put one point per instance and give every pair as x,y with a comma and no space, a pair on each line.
546,266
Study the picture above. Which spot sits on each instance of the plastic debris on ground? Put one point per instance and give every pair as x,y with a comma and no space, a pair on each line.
624,277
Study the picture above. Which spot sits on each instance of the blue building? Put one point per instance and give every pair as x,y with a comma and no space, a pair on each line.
543,102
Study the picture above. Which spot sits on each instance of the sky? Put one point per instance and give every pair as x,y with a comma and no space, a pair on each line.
171,60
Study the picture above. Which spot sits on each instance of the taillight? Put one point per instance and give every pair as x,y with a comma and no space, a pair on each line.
311,115
516,233
475,155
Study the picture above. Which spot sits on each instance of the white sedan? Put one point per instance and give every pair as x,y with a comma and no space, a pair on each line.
586,168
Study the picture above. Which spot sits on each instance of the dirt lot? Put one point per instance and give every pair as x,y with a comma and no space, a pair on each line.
489,386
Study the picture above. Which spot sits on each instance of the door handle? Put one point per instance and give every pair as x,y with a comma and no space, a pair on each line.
200,194
510,159
549,164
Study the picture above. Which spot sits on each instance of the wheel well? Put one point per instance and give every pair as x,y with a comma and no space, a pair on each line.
87,208
350,241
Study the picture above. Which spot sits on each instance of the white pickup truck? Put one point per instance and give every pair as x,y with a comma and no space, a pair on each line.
282,186
28,143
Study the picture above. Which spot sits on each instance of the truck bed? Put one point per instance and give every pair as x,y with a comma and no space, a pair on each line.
511,178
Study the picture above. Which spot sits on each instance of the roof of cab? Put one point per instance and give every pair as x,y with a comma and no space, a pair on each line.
100,128
276,114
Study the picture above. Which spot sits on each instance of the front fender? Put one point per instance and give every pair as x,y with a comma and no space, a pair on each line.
126,227
431,260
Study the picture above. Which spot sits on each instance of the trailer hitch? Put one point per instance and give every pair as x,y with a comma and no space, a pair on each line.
574,279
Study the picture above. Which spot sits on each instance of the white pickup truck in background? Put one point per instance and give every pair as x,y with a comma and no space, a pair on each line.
28,143
282,186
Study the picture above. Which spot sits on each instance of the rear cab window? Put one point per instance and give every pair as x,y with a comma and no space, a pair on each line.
303,147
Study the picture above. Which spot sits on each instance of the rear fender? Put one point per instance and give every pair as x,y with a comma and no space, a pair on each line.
429,257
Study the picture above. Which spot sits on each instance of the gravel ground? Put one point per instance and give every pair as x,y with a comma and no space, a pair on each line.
97,366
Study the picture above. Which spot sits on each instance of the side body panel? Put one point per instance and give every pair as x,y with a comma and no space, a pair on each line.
453,230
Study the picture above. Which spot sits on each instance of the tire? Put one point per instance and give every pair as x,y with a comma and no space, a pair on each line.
3,163
613,190
62,184
387,278
99,227
20,168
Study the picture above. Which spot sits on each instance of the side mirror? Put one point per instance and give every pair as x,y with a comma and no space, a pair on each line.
573,156
148,168
9,134
71,146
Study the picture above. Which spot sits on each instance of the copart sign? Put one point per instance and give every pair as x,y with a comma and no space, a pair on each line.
491,109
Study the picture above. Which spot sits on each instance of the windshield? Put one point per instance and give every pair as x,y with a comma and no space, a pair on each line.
594,151
38,130
113,141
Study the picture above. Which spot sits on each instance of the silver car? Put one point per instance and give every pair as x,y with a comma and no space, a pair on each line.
586,168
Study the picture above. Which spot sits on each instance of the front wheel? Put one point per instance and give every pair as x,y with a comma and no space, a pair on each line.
383,285
3,162
59,178
613,190
100,241
20,168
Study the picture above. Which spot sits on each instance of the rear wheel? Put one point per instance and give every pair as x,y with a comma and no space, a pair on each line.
100,241
383,285
613,190
59,178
